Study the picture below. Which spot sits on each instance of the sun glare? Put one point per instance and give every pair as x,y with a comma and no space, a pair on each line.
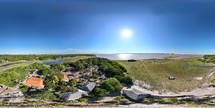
124,56
126,33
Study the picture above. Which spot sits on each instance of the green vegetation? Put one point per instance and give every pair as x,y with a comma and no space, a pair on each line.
155,72
114,76
45,71
208,59
213,79
57,67
75,58
37,57
42,95
108,67
83,100
163,100
107,87
100,92
111,85
13,76
36,66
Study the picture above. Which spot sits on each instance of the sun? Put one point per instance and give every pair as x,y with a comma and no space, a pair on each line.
126,33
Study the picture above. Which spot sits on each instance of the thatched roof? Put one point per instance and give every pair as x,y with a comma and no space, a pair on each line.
70,96
135,94
8,92
89,87
65,78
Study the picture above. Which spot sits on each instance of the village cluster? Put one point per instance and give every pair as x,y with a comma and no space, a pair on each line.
87,79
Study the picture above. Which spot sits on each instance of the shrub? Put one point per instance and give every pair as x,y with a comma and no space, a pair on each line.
108,86
46,71
43,95
23,88
100,92
13,76
36,66
111,85
83,100
57,67
72,83
124,79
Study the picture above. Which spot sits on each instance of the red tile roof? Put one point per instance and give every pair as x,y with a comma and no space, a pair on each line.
77,79
65,78
34,82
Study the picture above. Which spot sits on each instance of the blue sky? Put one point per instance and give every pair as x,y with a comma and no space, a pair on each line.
94,26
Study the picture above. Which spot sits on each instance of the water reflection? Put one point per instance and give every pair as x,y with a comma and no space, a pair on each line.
124,56
139,56
56,61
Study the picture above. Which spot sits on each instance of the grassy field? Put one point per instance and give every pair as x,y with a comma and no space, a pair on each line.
156,72
10,65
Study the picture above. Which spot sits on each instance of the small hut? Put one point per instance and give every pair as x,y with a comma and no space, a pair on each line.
71,96
135,94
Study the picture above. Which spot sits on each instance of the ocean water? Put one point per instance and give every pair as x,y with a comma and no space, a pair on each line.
140,56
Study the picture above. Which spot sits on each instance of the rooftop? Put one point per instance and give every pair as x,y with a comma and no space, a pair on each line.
65,78
34,82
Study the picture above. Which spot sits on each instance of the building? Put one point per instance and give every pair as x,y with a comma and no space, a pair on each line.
89,87
65,78
71,96
13,95
8,92
135,94
34,82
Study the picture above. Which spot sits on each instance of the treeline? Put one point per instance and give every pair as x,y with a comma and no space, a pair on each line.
116,75
208,59
108,67
12,77
54,85
37,57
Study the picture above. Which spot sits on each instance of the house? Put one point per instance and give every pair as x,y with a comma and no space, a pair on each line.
65,78
135,94
34,73
13,95
89,87
71,96
9,92
34,82
77,79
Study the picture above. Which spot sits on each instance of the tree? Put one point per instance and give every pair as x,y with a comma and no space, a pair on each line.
23,88
46,71
59,76
51,81
100,92
124,79
72,83
57,67
36,66
111,85
43,95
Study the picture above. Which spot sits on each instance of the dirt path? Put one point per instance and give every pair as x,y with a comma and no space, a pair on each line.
208,77
11,65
